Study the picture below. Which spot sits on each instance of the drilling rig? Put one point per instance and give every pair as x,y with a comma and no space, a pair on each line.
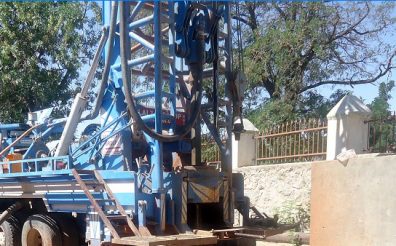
134,176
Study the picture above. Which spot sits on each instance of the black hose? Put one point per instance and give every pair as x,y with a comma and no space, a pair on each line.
196,69
106,69
10,210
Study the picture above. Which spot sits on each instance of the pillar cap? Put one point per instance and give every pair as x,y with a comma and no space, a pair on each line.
348,105
247,125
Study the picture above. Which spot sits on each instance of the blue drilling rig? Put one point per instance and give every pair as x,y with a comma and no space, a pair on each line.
135,176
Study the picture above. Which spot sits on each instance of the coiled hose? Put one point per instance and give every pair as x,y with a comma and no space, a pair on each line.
196,74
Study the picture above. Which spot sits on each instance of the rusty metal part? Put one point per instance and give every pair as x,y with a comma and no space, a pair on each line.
27,132
251,232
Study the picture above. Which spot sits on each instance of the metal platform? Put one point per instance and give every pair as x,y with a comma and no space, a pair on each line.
181,239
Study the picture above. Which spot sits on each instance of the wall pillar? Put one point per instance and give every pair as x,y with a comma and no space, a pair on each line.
346,127
244,150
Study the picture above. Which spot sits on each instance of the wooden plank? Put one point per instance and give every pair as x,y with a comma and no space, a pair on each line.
181,239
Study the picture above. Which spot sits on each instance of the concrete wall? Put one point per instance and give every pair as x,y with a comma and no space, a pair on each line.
244,150
282,189
354,203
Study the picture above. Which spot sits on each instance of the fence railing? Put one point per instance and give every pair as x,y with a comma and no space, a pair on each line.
382,134
296,141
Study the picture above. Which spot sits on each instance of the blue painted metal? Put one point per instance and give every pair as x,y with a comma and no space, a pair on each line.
116,150
16,126
144,21
157,158
149,191
172,66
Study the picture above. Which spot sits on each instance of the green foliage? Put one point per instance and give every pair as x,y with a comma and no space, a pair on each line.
380,105
272,113
210,151
310,105
294,47
292,213
43,46
382,128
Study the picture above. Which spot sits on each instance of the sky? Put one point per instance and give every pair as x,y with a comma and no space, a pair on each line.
367,92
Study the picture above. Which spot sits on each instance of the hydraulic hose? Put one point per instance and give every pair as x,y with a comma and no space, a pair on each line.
196,73
106,70
10,210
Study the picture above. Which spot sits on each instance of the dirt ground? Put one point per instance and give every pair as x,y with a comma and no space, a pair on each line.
261,243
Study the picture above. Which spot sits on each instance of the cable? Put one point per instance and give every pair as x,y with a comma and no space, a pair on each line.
241,65
195,73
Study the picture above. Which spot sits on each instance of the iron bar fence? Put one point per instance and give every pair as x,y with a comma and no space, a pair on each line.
382,134
306,140
296,141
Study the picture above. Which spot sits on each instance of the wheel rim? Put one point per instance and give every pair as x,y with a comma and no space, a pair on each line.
2,238
34,238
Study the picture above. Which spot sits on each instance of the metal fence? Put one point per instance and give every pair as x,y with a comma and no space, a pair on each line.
296,141
301,140
382,134
306,140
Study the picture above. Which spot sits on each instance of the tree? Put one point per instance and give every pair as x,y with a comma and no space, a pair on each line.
311,105
380,105
43,46
294,47
382,128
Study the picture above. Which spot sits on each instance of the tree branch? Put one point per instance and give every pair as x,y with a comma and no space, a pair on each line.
380,74
238,18
350,29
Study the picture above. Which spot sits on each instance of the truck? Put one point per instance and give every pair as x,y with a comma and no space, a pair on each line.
135,176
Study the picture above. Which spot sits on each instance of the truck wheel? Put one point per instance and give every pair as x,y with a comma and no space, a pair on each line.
68,228
41,230
10,232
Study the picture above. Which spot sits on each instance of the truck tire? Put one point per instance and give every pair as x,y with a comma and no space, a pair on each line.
41,230
68,229
11,230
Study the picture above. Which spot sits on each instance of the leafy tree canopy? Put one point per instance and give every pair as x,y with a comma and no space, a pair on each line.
43,46
380,105
291,48
311,105
382,127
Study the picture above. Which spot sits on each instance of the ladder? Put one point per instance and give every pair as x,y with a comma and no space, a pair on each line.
107,219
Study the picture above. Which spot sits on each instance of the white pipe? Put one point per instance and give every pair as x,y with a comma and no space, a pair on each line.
79,103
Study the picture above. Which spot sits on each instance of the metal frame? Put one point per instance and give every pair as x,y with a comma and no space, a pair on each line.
146,62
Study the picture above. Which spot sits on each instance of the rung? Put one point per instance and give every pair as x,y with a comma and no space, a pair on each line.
97,203
104,200
116,217
94,184
83,171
